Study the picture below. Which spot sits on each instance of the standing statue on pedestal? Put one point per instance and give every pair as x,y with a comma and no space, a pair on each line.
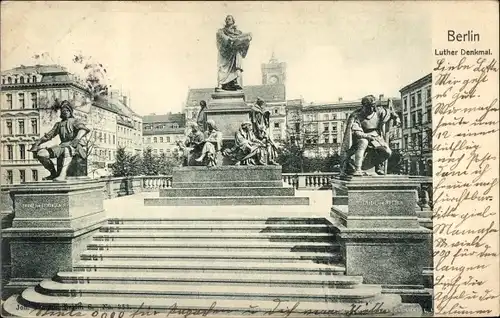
70,131
261,122
192,145
201,118
365,145
232,45
212,145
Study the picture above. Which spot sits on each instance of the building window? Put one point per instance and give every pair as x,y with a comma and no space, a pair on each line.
161,139
168,138
9,127
28,79
155,151
276,111
34,175
413,120
325,117
34,126
21,101
9,101
21,127
419,98
34,101
428,94
297,127
34,79
15,80
22,175
3,80
22,152
326,127
10,176
21,80
10,152
155,140
149,140
419,118
334,116
161,150
412,101
114,141
405,104
276,125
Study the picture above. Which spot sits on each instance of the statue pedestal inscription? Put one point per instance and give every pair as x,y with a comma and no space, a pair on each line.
380,235
53,223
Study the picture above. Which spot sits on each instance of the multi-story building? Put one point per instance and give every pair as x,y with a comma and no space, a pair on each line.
28,94
417,126
272,91
161,132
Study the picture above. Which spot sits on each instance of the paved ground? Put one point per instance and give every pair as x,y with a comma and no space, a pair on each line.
133,207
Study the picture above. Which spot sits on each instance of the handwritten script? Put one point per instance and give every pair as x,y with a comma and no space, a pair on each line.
465,150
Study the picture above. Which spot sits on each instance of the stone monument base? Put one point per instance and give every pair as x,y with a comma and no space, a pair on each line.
53,223
227,185
377,226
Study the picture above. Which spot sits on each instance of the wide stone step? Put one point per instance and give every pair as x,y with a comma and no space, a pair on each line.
222,220
258,279
355,295
215,245
195,226
169,265
227,173
379,306
227,192
228,184
233,200
206,256
225,235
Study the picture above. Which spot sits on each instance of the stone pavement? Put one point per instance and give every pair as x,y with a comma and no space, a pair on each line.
132,206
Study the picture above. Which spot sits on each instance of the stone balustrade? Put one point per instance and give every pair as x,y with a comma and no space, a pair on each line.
155,183
116,187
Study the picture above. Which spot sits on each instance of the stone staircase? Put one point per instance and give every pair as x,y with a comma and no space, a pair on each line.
285,267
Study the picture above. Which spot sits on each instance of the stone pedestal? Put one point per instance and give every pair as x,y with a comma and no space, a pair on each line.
53,222
228,110
380,234
227,185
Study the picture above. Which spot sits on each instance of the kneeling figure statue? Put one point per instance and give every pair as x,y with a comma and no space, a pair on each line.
365,138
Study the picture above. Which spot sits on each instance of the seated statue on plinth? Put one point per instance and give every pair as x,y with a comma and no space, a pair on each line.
232,45
247,150
211,146
70,131
192,146
365,138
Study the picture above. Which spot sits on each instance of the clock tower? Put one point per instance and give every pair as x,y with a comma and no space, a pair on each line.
273,72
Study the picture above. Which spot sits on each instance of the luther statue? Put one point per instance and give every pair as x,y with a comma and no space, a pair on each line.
232,45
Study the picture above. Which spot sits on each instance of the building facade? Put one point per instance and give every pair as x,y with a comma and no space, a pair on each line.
162,132
27,96
416,100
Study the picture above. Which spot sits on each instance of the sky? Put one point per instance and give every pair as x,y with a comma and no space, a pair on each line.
156,51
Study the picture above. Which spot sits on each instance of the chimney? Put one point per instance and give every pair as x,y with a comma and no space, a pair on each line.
340,99
381,96
125,100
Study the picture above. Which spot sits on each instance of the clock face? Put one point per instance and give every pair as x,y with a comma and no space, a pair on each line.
273,80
